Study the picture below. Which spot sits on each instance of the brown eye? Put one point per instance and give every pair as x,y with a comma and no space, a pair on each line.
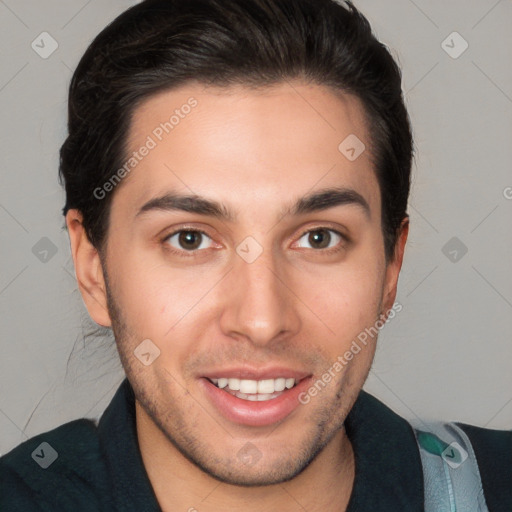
189,240
320,239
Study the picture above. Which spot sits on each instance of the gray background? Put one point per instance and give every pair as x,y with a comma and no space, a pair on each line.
446,355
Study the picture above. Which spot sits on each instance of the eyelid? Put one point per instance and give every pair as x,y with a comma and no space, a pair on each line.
325,227
184,227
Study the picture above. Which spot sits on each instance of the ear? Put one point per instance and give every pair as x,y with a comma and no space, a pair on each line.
88,270
393,268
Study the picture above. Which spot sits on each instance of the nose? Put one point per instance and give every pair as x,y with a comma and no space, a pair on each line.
259,303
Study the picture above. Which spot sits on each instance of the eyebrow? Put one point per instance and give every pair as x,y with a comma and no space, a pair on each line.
314,202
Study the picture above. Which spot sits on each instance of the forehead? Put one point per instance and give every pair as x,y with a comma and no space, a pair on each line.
249,146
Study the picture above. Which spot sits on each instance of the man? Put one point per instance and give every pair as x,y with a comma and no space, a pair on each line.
237,175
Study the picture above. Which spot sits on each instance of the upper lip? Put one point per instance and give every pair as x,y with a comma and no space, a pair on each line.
256,374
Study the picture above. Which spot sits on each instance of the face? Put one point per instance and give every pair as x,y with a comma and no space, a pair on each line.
248,249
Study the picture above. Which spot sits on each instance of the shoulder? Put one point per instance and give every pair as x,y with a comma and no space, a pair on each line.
62,469
493,451
465,466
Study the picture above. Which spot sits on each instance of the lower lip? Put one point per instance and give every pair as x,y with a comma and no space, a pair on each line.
255,414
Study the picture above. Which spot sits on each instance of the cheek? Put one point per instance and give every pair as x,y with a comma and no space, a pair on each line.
346,298
138,290
158,301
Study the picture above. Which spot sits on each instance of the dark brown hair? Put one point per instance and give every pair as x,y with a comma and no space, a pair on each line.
161,44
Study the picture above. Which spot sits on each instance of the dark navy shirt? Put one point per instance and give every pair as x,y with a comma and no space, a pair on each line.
98,467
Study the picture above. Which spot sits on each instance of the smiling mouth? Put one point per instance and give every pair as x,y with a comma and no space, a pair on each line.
255,390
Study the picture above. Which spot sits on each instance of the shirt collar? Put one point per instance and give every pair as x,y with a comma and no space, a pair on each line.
131,487
389,474
388,465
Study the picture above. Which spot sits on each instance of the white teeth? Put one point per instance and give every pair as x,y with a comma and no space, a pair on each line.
254,398
234,384
279,384
266,386
289,383
248,386
253,387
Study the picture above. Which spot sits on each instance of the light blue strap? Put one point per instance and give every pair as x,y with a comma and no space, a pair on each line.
450,471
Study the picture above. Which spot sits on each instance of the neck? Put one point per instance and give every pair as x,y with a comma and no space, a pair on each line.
325,485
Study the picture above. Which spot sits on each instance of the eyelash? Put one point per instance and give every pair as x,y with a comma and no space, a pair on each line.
194,252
